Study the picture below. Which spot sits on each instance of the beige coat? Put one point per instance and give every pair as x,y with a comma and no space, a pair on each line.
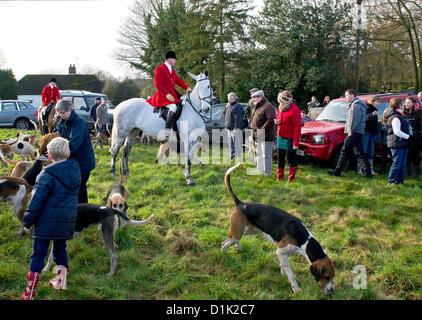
101,116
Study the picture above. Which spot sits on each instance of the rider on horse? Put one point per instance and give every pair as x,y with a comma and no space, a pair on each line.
49,96
165,78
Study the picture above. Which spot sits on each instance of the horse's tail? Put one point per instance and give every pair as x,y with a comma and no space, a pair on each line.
228,184
113,136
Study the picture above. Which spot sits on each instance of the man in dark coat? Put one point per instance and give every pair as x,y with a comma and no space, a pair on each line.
234,125
93,111
73,128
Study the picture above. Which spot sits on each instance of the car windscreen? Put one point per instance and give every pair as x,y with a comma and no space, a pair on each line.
335,111
91,101
216,111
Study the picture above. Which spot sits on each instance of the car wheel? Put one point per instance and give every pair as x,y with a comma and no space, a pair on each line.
22,124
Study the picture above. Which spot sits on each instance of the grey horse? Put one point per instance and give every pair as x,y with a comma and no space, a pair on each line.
136,114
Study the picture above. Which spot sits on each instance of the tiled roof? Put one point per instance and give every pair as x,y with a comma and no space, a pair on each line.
33,83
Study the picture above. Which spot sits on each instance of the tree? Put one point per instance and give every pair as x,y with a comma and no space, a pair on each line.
403,9
392,43
118,91
226,23
153,28
8,85
305,47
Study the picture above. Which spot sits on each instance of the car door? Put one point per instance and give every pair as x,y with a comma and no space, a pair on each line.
81,108
8,113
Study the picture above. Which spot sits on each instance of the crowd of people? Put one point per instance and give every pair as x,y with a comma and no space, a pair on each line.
399,133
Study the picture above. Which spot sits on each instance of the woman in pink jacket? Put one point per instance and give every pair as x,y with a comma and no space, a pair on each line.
288,123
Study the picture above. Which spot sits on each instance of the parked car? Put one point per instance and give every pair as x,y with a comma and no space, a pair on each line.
218,124
83,101
17,113
323,138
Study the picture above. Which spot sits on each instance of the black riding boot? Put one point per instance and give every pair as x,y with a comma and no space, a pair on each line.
341,164
415,171
407,172
366,168
169,122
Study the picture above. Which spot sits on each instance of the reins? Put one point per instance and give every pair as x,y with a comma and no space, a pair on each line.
188,99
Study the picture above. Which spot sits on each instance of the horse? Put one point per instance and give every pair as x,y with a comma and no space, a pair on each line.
52,120
136,114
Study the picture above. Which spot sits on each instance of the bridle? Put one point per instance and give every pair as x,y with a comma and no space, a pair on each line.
202,99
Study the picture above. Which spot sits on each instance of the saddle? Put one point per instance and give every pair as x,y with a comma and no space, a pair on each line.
164,111
46,111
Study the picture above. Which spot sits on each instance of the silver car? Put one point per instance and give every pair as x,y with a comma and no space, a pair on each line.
17,113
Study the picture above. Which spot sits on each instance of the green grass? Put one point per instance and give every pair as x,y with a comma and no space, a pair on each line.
177,254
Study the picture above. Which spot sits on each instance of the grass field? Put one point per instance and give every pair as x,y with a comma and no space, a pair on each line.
364,225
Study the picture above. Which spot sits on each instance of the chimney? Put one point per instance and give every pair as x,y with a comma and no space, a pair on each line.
72,69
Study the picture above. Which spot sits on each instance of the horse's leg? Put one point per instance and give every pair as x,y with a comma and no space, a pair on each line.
188,177
114,150
130,140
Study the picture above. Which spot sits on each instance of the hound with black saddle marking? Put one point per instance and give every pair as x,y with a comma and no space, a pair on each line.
17,191
285,231
94,214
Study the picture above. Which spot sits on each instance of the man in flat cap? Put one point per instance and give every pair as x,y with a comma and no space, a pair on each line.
249,108
263,115
93,110
165,78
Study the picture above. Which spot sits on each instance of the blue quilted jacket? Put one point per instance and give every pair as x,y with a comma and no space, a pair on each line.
54,206
76,131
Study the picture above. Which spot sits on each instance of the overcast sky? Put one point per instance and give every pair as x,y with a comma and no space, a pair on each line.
38,37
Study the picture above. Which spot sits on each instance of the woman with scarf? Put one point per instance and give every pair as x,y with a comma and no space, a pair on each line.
288,123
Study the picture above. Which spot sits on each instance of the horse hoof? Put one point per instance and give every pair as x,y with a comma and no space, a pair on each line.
190,182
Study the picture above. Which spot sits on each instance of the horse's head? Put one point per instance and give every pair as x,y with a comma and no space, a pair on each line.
203,88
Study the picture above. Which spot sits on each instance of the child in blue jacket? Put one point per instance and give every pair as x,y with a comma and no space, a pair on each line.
53,212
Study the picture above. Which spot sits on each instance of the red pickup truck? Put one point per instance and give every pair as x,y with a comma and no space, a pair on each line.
323,138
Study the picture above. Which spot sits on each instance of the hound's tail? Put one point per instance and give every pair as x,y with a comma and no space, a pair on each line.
35,127
228,185
127,221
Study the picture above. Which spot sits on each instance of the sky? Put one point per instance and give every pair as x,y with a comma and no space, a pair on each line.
45,37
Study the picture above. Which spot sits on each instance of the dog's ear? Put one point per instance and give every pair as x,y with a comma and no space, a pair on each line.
126,206
315,272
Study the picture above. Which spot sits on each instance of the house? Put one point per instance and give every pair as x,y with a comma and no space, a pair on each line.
31,85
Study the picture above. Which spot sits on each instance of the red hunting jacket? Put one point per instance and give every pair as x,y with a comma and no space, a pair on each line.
164,83
290,124
49,95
